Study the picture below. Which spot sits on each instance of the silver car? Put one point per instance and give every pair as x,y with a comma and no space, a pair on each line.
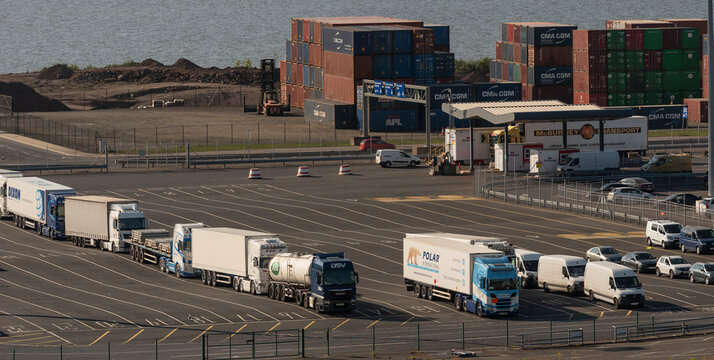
603,253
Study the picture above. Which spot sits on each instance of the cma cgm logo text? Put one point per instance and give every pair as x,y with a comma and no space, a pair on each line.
494,92
658,115
552,74
553,35
444,96
13,193
337,265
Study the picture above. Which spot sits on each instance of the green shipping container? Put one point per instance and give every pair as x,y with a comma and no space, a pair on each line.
616,61
691,94
635,60
691,80
617,99
671,59
622,82
672,80
653,39
672,97
690,38
635,81
612,82
653,81
636,98
690,59
616,40
517,72
654,98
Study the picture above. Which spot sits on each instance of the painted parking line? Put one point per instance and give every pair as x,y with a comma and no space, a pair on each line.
15,341
426,198
408,320
99,338
374,323
132,338
602,313
237,331
201,334
308,325
628,313
274,326
167,335
342,323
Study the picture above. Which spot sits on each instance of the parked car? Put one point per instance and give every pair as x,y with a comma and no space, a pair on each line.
389,157
605,189
664,233
603,253
638,183
697,238
640,261
674,266
375,144
682,199
702,272
624,193
706,206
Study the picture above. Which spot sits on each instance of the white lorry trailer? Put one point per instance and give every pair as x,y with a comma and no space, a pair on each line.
103,222
39,204
4,175
475,277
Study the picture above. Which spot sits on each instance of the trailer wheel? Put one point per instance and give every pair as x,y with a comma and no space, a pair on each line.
141,254
430,293
416,289
479,309
271,291
38,229
306,300
282,293
298,297
237,286
458,303
213,279
204,277
422,292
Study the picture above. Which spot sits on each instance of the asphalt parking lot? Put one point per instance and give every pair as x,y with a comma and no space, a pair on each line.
54,294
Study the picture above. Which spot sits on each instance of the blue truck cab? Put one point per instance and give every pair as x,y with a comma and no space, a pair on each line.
55,225
495,287
333,282
180,262
699,239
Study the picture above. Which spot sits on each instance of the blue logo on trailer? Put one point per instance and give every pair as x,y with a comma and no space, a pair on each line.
40,204
400,90
388,88
13,193
378,88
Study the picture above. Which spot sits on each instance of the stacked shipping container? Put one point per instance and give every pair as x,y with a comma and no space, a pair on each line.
537,55
636,66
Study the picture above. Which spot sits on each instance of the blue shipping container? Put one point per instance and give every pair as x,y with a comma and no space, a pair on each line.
403,66
443,65
510,72
347,40
441,34
557,75
402,41
305,53
288,73
550,36
288,51
299,30
306,76
404,120
381,39
459,93
383,66
440,120
663,117
496,73
424,68
312,76
495,92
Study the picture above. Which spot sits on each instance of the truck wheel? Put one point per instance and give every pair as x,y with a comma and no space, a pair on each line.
416,289
545,288
162,266
412,163
479,309
570,290
422,292
592,296
616,303
430,293
204,277
237,286
213,278
282,293
177,271
298,297
306,300
649,241
253,289
271,292
115,248
140,258
388,164
459,304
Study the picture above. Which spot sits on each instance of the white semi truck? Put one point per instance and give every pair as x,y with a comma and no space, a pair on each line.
103,222
4,175
38,204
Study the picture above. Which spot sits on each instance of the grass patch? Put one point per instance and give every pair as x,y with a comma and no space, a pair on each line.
680,132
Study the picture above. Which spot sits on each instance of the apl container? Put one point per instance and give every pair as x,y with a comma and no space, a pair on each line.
496,92
347,40
402,120
330,113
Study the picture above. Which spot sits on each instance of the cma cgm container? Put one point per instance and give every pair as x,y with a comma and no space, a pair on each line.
551,75
330,113
663,116
347,40
494,92
402,120
458,93
550,34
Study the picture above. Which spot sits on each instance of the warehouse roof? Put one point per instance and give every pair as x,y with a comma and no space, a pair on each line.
500,113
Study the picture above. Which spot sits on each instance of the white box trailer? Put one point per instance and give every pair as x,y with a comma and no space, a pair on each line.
546,161
626,134
519,156
4,175
103,221
457,142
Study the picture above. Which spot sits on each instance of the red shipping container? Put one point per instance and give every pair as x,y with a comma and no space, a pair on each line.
299,75
346,65
294,29
524,74
700,24
339,88
698,110
653,60
637,24
509,30
590,61
634,39
593,40
299,99
423,40
318,32
408,81
517,33
504,70
305,30
585,98
517,53
283,92
550,55
499,50
589,82
318,54
293,72
283,69
671,39
312,58
525,94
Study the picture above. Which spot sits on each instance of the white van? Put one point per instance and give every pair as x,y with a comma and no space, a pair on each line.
561,272
590,162
527,267
389,157
613,283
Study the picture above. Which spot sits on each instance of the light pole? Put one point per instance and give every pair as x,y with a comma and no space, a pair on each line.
710,47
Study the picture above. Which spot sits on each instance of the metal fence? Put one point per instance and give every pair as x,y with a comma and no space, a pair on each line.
55,132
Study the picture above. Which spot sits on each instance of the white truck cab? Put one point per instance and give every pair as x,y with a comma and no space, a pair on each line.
664,233
260,251
527,266
390,157
613,283
123,218
181,249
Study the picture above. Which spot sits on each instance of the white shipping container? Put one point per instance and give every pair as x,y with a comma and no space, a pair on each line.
519,156
441,262
457,141
27,196
88,216
627,134
224,250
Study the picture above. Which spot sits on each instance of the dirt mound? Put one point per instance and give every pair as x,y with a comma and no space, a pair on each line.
185,64
54,72
147,75
25,99
151,62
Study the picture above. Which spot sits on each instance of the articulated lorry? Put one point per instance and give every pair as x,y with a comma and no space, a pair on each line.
469,271
4,175
39,204
103,222
259,263
172,252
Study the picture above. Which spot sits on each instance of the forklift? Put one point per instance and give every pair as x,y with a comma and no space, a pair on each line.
270,103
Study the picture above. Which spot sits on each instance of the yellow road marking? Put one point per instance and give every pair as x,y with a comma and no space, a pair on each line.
199,335
342,323
571,317
12,341
99,338
607,234
135,335
237,331
639,233
602,313
167,335
408,320
628,313
274,326
308,325
372,324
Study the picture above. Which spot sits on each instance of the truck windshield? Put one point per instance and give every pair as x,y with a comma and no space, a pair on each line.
501,284
131,224
264,262
338,277
576,270
531,265
627,282
672,228
60,211
186,245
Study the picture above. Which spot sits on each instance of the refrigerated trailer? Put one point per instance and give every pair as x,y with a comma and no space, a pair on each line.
4,175
39,204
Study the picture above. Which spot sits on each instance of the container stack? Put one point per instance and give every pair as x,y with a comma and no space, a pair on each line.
698,109
636,66
539,56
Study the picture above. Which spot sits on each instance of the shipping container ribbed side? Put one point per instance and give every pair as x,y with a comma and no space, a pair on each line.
330,113
403,66
401,120
424,68
496,92
637,24
339,88
288,72
444,65
403,41
294,29
382,67
283,71
550,56
345,65
441,34
698,110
